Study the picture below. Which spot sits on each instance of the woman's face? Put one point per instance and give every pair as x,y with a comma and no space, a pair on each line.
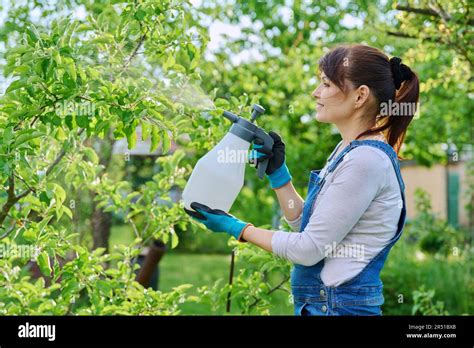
333,106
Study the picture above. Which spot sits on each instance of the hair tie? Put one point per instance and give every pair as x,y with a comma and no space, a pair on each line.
400,72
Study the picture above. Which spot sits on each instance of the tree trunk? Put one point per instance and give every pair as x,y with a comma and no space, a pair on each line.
101,223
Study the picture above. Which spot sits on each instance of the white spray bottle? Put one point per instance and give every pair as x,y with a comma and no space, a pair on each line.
218,176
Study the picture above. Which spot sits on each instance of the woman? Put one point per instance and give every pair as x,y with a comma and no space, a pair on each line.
355,208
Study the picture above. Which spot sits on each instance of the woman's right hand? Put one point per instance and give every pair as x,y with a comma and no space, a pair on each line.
277,171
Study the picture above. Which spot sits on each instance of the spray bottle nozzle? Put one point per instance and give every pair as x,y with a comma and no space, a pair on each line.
257,111
230,116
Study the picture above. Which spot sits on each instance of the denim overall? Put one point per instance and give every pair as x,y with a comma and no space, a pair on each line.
361,295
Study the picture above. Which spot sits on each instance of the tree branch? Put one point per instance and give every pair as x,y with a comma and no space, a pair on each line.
458,48
423,11
11,199
135,51
7,232
24,182
407,36
438,13
275,288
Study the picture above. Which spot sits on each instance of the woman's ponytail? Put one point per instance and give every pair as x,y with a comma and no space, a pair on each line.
407,93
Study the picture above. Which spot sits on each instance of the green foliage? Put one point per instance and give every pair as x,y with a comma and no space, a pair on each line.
424,303
408,267
72,80
149,210
430,250
83,286
435,234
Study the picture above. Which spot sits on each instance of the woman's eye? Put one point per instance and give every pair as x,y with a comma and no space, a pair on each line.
326,84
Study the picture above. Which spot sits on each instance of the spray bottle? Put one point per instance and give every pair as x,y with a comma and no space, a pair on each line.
218,176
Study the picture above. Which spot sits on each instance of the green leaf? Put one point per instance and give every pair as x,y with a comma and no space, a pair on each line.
16,85
60,135
139,15
97,252
222,103
174,240
155,138
44,198
91,155
104,39
59,193
30,235
82,121
23,138
33,79
67,211
105,287
43,223
169,62
71,68
31,35
71,287
166,141
194,55
8,134
145,130
132,140
69,121
21,69
44,263
57,57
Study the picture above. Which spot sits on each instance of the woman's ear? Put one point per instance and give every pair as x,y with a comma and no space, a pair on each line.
361,96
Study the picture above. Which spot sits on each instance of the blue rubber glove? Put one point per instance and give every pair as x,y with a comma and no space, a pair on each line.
217,220
277,171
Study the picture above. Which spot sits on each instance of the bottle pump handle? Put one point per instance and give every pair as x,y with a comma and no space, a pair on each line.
257,111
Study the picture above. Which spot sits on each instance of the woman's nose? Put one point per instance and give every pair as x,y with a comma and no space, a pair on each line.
315,94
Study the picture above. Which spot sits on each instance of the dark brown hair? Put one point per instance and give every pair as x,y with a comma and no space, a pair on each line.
388,80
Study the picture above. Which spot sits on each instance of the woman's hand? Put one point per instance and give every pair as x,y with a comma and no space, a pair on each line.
217,220
277,171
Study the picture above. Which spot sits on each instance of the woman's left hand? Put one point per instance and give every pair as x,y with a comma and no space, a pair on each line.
217,220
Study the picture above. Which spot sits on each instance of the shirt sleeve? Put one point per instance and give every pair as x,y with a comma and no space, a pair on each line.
296,223
355,183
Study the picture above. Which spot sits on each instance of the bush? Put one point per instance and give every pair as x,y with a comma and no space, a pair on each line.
408,268
434,234
424,303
